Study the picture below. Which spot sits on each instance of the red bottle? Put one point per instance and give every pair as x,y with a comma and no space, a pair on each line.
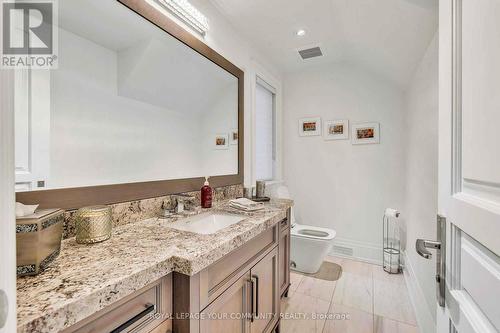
206,195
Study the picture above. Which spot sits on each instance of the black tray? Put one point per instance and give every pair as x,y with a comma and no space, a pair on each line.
263,199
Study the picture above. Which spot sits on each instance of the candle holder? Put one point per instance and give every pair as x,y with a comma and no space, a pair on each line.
93,224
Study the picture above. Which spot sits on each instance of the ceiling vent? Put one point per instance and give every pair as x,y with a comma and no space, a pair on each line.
312,52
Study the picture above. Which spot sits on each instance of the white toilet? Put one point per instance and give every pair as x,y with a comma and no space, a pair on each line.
309,245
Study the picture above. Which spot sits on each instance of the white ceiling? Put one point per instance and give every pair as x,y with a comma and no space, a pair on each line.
153,66
387,37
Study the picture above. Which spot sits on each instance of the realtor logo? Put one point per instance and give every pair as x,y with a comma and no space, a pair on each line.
29,35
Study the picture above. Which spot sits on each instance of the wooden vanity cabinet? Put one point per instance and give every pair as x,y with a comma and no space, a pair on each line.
251,304
238,293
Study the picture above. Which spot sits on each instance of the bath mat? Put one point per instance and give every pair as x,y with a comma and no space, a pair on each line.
328,271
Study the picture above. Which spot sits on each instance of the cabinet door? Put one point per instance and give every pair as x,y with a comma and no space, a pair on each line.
228,313
284,260
265,297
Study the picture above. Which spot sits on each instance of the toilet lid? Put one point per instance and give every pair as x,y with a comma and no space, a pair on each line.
308,231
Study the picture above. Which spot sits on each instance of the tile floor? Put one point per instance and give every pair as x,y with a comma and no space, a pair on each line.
364,300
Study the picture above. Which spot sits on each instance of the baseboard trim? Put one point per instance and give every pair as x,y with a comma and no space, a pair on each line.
361,251
425,319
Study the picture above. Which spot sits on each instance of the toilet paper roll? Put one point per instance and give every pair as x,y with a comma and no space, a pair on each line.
390,212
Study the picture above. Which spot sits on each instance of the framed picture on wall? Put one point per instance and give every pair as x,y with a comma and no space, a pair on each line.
336,130
365,133
233,137
221,141
309,126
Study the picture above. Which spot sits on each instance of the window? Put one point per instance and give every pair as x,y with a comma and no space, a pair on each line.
265,131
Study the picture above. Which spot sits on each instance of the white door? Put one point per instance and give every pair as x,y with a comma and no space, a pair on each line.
469,163
7,199
32,128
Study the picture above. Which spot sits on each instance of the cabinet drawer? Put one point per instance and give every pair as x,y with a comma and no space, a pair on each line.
219,275
143,311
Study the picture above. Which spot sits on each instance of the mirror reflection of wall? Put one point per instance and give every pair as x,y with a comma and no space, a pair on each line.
128,103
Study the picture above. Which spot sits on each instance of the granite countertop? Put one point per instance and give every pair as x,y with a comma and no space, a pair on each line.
86,278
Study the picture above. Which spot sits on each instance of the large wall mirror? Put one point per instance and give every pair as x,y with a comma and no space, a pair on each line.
137,108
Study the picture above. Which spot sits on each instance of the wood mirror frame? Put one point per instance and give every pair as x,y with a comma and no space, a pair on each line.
72,198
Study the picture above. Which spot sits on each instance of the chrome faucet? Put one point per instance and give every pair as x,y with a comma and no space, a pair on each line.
181,200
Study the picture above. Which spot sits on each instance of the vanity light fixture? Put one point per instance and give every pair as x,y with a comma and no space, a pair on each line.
301,33
187,13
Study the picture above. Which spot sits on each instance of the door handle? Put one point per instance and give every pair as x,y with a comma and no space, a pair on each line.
256,292
252,288
148,308
422,245
4,308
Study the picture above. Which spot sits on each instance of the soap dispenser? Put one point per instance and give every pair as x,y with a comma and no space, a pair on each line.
206,195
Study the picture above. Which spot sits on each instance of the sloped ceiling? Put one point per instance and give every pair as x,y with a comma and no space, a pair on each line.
387,37
165,74
152,66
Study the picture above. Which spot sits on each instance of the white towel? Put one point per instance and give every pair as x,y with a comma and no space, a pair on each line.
246,209
246,204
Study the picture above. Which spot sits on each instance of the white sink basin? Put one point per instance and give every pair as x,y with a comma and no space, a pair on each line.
207,223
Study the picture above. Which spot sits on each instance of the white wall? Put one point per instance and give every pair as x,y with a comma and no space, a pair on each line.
97,125
95,132
223,38
70,163
220,118
336,184
421,104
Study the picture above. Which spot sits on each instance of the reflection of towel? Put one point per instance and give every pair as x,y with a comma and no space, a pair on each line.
24,210
246,204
